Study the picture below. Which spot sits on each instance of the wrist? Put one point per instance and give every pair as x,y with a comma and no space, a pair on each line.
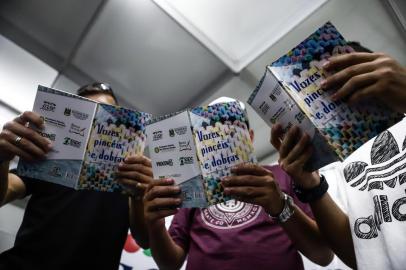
287,210
276,207
308,181
155,226
312,194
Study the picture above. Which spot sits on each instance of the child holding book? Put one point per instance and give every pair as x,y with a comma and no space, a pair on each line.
264,228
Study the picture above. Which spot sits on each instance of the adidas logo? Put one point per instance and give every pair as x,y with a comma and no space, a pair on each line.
387,168
387,164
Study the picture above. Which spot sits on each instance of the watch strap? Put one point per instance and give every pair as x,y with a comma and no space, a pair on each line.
313,194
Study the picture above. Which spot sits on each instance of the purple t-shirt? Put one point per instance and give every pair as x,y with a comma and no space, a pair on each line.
237,235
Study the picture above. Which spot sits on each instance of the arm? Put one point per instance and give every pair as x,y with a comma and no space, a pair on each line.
335,227
161,201
138,228
305,234
135,173
294,151
254,184
31,147
11,186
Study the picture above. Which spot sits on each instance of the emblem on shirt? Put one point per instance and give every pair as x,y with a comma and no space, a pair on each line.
231,214
387,169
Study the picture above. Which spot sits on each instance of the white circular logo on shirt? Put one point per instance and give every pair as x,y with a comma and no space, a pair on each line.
231,214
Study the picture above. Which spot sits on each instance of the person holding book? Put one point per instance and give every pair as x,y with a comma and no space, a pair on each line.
373,232
263,228
63,228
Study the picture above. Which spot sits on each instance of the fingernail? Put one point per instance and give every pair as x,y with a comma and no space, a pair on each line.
177,188
178,201
334,97
226,191
323,84
326,65
169,180
225,179
120,164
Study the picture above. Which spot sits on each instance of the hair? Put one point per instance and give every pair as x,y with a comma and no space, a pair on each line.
358,47
96,88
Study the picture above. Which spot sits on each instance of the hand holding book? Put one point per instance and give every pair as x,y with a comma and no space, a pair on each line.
17,139
293,91
361,76
254,184
295,149
161,200
135,173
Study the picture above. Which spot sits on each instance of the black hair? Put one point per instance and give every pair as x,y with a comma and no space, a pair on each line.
358,47
96,88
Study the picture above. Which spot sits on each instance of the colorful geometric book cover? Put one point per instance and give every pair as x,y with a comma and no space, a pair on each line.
198,147
89,140
289,93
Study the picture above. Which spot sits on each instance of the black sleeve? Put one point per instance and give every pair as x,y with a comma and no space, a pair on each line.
27,182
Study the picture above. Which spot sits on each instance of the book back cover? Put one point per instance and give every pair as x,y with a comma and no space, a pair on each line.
67,120
173,155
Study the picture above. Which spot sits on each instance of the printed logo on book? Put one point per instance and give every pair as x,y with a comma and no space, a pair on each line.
279,113
275,92
175,175
300,117
177,131
78,115
165,148
264,107
75,129
55,171
164,163
186,160
50,136
48,106
53,122
72,142
157,135
185,146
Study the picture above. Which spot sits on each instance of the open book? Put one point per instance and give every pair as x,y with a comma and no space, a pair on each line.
290,94
89,140
198,147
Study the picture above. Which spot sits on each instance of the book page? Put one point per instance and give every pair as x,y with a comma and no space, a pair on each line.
173,155
222,141
117,132
67,119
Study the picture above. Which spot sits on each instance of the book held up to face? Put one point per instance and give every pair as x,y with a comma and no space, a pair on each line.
89,140
290,94
198,147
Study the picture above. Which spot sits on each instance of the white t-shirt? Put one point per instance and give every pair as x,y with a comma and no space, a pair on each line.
375,183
